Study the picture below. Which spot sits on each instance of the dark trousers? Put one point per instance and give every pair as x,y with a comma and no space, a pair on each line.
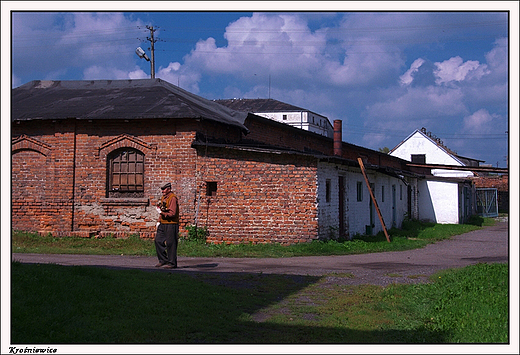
166,240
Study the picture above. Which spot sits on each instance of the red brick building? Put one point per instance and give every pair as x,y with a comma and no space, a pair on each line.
88,158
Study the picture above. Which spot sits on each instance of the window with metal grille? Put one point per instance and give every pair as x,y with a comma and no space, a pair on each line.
126,173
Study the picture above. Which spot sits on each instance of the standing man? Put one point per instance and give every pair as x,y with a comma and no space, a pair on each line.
167,234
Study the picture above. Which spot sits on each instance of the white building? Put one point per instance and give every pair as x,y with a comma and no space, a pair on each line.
283,112
343,197
448,196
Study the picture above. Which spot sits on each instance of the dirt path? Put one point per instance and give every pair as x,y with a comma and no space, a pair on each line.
486,245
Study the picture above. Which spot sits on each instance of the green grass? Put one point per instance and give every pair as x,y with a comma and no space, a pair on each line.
54,304
467,305
413,235
24,242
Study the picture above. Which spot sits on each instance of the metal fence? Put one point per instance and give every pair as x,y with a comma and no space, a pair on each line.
487,202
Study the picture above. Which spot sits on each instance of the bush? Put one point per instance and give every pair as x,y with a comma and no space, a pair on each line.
475,220
197,234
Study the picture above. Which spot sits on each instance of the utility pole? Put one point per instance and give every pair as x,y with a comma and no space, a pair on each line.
140,52
152,41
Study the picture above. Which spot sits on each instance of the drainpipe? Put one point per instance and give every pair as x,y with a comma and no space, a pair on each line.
73,178
338,140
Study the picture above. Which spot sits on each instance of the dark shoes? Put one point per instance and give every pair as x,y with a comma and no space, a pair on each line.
166,266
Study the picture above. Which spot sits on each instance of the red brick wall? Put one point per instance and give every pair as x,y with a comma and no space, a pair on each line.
260,197
42,177
59,173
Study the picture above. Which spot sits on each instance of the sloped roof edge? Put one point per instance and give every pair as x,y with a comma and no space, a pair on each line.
115,99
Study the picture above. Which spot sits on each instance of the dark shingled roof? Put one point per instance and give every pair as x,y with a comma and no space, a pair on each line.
115,99
259,105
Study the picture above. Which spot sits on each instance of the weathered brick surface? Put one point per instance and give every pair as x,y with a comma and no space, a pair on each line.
42,176
59,174
260,197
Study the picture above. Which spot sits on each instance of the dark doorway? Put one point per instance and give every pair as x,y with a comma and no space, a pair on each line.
341,198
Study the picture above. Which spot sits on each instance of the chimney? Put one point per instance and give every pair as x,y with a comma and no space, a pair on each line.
338,140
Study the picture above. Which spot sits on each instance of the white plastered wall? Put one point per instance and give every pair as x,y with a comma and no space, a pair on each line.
439,201
357,213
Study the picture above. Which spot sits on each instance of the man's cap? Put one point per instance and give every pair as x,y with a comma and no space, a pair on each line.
166,185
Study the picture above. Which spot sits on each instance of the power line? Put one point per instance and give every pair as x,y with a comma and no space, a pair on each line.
344,29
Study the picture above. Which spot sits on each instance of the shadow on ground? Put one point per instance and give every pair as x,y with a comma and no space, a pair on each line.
53,304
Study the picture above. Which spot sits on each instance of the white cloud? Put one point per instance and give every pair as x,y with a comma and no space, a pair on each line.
418,103
284,45
407,78
138,73
61,43
455,69
497,58
180,75
480,122
97,72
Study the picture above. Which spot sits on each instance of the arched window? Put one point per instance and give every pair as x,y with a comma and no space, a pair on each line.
125,173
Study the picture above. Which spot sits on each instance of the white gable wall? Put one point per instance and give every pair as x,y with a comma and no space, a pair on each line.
440,201
418,143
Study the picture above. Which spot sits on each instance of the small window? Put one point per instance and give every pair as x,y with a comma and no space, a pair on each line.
419,158
211,188
401,192
327,190
383,193
125,173
359,191
284,117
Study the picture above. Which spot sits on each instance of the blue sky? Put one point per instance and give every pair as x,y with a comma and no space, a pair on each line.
384,74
